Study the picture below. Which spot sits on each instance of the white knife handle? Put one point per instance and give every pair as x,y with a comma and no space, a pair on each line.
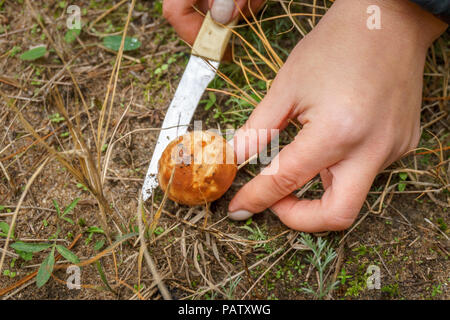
212,39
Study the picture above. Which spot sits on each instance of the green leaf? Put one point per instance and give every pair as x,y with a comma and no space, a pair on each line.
99,244
82,186
262,85
249,229
401,186
70,206
66,253
71,35
30,247
113,43
158,231
34,53
68,220
56,205
95,229
403,175
157,5
46,268
102,275
211,101
4,227
27,256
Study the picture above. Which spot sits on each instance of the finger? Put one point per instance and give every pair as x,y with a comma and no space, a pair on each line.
339,205
255,6
271,114
184,18
294,166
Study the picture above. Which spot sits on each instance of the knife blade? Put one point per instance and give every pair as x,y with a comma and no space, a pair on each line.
201,69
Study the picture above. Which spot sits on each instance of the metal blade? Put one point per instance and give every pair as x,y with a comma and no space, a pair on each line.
197,76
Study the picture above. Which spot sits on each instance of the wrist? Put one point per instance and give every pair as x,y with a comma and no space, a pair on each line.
402,20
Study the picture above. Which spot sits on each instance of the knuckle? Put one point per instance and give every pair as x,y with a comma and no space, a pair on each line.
346,127
341,220
169,9
348,130
284,183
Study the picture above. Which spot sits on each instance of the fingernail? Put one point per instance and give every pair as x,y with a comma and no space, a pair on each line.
240,215
222,10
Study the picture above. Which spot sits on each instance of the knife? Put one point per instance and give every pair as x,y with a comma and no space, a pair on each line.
208,50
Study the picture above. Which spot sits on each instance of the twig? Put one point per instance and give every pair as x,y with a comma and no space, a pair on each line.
153,270
14,218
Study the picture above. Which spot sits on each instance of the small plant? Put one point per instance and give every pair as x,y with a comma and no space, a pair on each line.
159,230
391,289
343,276
402,184
321,257
67,210
211,296
8,273
210,101
56,118
230,291
356,286
436,290
99,245
4,230
91,231
15,50
46,268
442,225
82,186
165,66
71,35
256,234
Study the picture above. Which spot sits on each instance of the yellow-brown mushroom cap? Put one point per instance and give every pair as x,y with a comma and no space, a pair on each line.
203,165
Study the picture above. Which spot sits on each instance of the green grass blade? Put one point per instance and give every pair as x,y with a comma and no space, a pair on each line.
66,253
46,269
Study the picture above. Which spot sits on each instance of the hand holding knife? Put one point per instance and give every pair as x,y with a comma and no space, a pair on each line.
208,50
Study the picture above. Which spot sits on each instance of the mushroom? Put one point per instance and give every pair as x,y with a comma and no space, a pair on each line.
197,168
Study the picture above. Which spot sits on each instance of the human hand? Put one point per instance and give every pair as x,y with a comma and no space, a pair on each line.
357,93
187,21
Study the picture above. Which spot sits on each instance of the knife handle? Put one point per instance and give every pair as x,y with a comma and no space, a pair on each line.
212,39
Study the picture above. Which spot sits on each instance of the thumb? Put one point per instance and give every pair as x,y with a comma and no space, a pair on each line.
223,11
